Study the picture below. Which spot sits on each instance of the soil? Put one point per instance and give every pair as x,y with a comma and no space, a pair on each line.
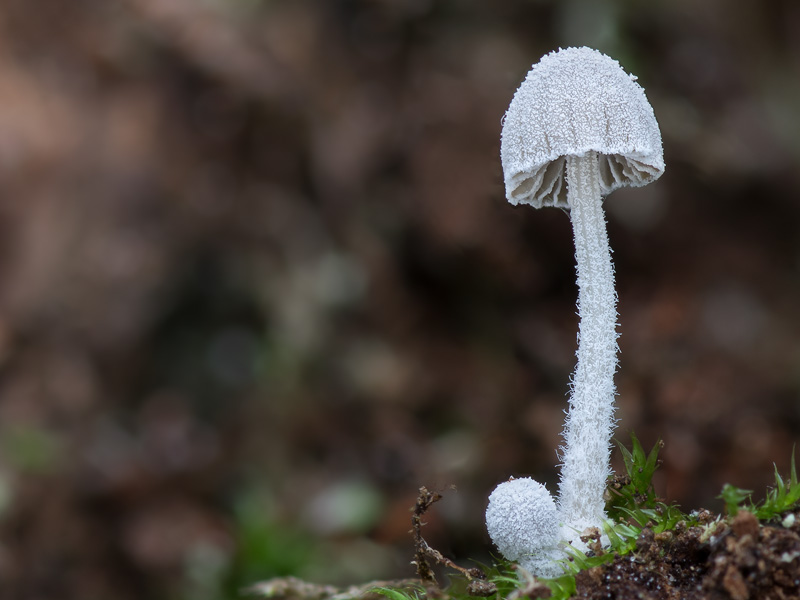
741,561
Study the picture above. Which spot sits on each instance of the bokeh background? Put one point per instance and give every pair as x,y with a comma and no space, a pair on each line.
259,282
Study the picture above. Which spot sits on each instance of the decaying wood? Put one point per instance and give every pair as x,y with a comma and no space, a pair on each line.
293,588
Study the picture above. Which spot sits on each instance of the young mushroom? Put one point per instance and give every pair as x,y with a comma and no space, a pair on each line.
578,128
522,520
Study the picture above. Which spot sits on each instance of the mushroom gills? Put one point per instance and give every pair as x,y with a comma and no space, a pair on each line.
617,171
537,186
545,185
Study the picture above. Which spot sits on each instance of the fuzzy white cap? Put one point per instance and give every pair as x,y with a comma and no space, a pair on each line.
575,101
523,523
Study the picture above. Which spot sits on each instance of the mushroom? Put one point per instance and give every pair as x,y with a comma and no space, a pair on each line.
522,520
578,128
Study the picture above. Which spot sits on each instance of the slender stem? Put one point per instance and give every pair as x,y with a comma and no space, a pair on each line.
587,431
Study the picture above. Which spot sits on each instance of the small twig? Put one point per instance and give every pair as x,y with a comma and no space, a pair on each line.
421,549
423,552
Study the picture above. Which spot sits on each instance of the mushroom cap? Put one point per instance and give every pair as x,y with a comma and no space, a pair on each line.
522,519
575,101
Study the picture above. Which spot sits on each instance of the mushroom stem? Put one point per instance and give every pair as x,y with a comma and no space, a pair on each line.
587,431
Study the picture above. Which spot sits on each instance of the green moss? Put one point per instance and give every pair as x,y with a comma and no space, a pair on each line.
779,499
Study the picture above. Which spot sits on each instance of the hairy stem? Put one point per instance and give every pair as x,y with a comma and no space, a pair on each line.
587,431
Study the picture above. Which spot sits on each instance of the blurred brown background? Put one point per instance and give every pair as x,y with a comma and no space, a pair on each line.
259,282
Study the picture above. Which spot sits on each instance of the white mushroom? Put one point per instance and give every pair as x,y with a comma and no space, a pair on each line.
522,521
578,128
